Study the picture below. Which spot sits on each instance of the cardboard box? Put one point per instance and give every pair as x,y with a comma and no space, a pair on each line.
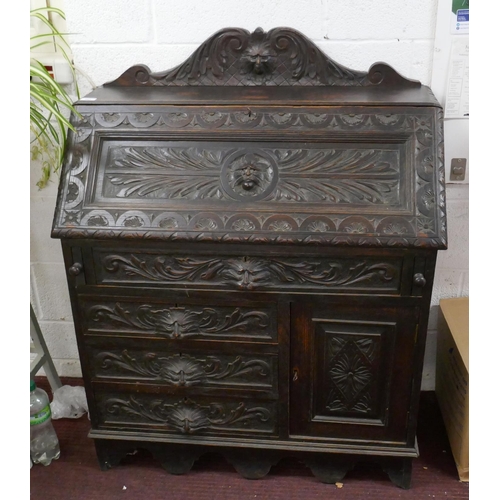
452,377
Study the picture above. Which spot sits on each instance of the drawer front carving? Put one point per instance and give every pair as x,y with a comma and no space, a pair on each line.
185,370
372,274
187,416
179,321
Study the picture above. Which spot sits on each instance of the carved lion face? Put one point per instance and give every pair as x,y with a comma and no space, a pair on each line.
258,59
250,175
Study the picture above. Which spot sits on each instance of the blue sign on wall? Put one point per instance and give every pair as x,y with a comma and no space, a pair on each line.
463,15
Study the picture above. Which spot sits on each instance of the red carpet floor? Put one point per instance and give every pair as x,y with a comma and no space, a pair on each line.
77,476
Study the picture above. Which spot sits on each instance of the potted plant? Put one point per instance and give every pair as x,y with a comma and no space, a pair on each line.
50,103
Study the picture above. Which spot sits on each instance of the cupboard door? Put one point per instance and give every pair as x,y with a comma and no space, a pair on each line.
352,369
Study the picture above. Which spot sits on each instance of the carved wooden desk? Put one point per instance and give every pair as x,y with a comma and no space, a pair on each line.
250,241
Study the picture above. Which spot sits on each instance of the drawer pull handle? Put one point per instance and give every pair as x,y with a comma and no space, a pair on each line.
295,375
419,279
75,269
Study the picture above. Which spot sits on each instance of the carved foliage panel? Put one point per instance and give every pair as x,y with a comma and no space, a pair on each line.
246,177
180,321
372,274
180,369
195,173
352,378
188,415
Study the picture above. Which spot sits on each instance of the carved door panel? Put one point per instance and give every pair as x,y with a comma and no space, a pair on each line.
352,368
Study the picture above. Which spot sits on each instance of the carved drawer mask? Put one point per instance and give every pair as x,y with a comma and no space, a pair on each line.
250,240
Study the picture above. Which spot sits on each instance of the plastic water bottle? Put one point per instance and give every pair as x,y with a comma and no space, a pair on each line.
44,445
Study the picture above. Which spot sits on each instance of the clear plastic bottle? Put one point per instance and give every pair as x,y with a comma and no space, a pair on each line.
44,445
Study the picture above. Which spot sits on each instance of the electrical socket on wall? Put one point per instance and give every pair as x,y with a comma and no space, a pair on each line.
457,170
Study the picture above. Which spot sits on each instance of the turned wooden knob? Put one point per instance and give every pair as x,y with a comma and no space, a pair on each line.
419,279
75,269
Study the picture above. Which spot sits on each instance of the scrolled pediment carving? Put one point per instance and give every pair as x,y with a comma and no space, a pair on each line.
235,57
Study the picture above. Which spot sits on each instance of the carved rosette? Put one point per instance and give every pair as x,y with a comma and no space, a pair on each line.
352,373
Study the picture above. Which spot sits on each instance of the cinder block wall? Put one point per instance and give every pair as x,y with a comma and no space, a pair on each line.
110,36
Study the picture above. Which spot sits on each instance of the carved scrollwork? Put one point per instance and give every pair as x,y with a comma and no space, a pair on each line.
188,417
183,370
167,172
179,322
249,273
430,195
279,57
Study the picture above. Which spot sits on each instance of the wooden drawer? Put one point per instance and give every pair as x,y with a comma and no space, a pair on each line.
185,367
206,317
357,274
197,415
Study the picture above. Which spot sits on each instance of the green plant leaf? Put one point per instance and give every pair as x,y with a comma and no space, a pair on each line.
49,102
41,126
51,106
48,9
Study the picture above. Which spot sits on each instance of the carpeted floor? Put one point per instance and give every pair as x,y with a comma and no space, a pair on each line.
77,476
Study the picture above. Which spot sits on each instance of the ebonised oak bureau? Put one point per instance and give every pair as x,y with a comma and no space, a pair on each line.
250,241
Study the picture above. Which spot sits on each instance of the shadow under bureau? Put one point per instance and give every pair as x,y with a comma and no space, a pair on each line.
250,241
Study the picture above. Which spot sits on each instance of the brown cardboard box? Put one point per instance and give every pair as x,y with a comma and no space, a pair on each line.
452,377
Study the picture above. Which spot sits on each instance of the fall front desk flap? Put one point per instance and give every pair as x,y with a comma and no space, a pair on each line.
257,137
